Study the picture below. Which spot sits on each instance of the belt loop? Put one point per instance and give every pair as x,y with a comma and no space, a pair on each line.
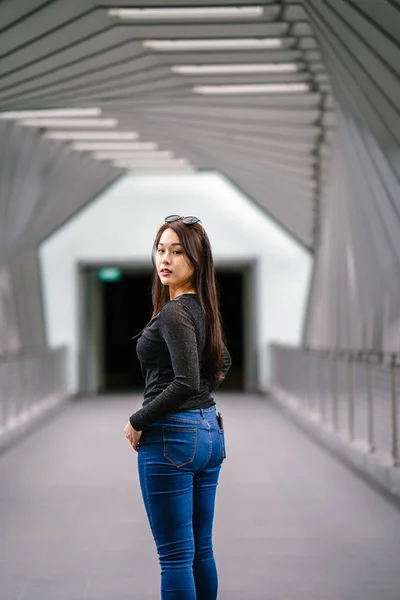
201,412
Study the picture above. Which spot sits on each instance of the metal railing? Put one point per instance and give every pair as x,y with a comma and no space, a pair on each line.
28,380
355,394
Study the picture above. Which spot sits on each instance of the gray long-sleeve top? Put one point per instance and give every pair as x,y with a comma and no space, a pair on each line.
170,350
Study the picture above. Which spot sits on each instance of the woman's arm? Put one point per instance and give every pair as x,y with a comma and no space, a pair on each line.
226,365
177,327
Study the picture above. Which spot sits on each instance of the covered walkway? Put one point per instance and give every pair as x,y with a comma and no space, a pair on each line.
292,522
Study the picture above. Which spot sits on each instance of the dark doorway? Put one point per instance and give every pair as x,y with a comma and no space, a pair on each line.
230,285
127,309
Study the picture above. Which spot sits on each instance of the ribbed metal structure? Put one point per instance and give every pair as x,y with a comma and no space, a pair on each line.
326,170
60,54
42,183
355,300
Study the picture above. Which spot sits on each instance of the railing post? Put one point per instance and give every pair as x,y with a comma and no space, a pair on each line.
308,358
335,404
3,395
320,391
350,381
393,367
370,403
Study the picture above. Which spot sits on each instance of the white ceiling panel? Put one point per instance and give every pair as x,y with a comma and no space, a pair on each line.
59,54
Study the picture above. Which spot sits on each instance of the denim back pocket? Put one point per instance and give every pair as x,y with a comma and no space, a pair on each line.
179,444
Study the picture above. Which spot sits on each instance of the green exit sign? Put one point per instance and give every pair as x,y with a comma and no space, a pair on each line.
110,274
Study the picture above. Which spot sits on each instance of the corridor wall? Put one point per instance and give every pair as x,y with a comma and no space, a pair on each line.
355,298
121,227
42,183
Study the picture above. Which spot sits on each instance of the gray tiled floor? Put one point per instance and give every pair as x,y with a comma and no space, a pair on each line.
291,523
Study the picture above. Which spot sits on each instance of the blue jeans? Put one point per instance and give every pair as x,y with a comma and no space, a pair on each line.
179,461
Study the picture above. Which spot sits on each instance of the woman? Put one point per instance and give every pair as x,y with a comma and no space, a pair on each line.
177,433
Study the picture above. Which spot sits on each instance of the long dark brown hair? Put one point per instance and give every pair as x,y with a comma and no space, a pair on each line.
197,248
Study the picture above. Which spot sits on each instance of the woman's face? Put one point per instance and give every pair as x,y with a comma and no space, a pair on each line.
173,265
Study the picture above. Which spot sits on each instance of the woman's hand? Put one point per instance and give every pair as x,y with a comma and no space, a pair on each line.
133,436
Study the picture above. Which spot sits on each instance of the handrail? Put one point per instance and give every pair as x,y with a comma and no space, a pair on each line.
21,353
355,393
28,379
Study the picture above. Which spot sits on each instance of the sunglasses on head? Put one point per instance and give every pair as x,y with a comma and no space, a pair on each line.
185,220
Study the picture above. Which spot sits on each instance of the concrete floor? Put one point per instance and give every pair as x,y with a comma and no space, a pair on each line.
292,523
